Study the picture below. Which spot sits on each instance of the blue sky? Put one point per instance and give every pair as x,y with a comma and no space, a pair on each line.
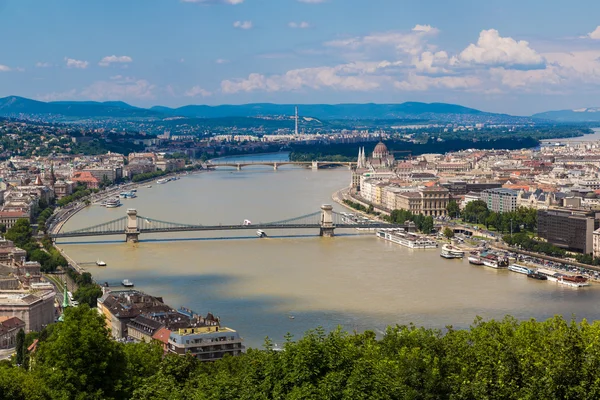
508,56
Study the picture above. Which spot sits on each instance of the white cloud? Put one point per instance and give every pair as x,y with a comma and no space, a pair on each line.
221,61
40,64
72,63
493,50
595,34
358,76
108,60
312,1
416,82
432,63
299,25
411,42
4,68
242,24
197,91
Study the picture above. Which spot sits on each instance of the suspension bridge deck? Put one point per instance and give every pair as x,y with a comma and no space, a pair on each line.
133,225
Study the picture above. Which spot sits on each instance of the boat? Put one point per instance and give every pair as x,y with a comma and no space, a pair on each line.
123,195
519,269
149,186
494,261
133,190
162,181
127,283
539,277
406,239
113,203
552,276
247,222
449,251
291,317
475,259
100,263
573,281
260,233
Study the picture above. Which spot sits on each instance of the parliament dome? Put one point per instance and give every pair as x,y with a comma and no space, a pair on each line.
381,151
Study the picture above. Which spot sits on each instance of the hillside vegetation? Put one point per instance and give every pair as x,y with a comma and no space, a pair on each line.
507,359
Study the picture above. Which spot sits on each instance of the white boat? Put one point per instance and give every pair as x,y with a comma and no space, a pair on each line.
133,190
149,186
449,251
127,283
247,222
100,263
162,181
519,269
406,239
113,203
260,233
123,195
494,261
573,281
475,259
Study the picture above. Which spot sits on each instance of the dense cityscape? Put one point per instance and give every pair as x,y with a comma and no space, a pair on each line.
299,199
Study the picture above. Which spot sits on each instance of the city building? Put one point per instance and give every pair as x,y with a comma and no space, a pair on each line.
569,229
9,328
207,343
35,308
500,200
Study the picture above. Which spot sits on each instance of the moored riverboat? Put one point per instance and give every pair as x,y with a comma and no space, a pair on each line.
406,239
449,251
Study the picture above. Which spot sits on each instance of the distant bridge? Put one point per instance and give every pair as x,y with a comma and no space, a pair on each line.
276,164
133,225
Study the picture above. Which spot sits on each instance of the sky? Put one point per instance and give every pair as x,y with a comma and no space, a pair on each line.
517,57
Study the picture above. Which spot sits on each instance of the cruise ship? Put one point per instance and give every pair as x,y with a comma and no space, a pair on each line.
406,239
449,251
494,261
567,280
113,203
519,269
475,259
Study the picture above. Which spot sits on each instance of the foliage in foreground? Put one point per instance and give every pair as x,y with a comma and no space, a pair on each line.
507,359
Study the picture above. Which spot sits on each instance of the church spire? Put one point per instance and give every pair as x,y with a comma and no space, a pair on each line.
65,303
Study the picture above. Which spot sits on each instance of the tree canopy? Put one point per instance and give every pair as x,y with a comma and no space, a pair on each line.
507,359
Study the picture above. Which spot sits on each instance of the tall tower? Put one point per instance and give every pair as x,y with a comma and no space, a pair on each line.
296,119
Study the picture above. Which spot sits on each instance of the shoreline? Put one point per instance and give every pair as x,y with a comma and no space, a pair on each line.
95,201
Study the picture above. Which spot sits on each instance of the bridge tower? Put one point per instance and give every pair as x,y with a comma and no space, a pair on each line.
327,225
315,165
132,232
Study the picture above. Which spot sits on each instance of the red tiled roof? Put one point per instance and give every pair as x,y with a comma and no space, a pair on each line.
162,335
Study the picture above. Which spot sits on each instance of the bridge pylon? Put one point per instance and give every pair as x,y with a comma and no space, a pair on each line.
314,166
327,225
132,232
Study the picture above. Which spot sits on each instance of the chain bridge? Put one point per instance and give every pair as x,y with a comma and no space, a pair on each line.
276,164
133,225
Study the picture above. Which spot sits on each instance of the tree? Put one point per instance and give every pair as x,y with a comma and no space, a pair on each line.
449,233
3,228
88,294
20,233
20,357
79,360
453,209
427,225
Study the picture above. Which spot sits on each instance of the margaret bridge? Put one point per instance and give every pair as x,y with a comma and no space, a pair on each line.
133,225
276,164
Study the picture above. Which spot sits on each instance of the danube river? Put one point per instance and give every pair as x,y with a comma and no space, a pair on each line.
255,285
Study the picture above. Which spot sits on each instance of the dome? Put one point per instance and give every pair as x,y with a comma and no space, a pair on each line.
380,151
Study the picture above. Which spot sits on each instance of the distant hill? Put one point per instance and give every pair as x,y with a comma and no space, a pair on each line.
14,106
19,107
579,115
322,111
